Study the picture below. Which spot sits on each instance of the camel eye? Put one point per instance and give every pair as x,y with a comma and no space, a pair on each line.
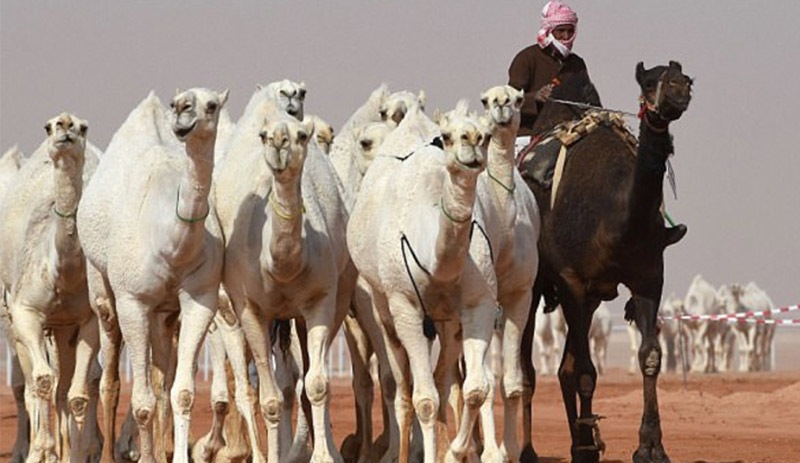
302,136
383,114
447,137
263,136
366,144
84,128
485,102
48,128
211,107
302,94
172,104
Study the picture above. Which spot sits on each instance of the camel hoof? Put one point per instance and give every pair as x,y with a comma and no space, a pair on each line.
350,447
528,455
651,455
379,447
585,456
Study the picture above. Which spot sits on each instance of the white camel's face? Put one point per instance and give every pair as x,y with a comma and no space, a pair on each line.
196,112
465,139
291,97
285,147
324,134
502,104
397,105
369,138
66,138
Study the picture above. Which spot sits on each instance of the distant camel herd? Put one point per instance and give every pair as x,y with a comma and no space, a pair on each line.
268,235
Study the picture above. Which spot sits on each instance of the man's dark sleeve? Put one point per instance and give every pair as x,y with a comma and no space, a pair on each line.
520,76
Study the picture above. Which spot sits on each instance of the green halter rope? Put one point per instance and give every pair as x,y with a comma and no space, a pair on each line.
71,215
189,219
510,189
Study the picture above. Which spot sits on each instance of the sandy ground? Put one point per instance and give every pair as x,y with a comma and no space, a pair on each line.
719,418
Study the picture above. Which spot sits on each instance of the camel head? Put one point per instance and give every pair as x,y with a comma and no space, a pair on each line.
290,96
369,137
196,113
285,146
66,139
395,107
730,297
503,104
324,132
666,91
465,138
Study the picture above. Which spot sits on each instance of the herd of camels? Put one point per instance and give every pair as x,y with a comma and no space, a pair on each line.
267,235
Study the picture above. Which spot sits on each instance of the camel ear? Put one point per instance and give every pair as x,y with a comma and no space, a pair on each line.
177,91
519,97
676,65
48,128
223,97
308,127
640,73
259,87
437,116
422,99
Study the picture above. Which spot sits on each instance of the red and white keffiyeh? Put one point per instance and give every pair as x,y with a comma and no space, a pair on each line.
556,14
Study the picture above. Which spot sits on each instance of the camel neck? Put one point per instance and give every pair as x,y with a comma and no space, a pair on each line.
455,223
195,185
68,185
285,215
647,190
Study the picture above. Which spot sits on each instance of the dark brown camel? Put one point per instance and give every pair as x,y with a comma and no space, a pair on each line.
606,228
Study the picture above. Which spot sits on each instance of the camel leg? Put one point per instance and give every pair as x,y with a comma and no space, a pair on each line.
22,442
650,448
359,444
234,342
110,348
515,321
40,379
134,322
206,448
299,357
578,377
408,321
197,312
79,394
477,325
62,358
320,329
162,355
270,397
528,454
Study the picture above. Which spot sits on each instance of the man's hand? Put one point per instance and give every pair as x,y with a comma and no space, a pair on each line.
543,94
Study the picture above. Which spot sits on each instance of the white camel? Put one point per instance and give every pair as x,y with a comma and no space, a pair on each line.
10,162
752,337
351,155
43,274
701,300
286,257
599,337
409,236
548,337
289,95
323,133
154,249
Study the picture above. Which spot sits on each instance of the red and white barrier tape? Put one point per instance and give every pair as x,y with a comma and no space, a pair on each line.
743,317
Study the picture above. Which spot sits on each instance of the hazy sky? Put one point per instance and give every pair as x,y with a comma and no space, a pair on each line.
736,155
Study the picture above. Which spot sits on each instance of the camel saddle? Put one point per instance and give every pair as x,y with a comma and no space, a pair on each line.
544,158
